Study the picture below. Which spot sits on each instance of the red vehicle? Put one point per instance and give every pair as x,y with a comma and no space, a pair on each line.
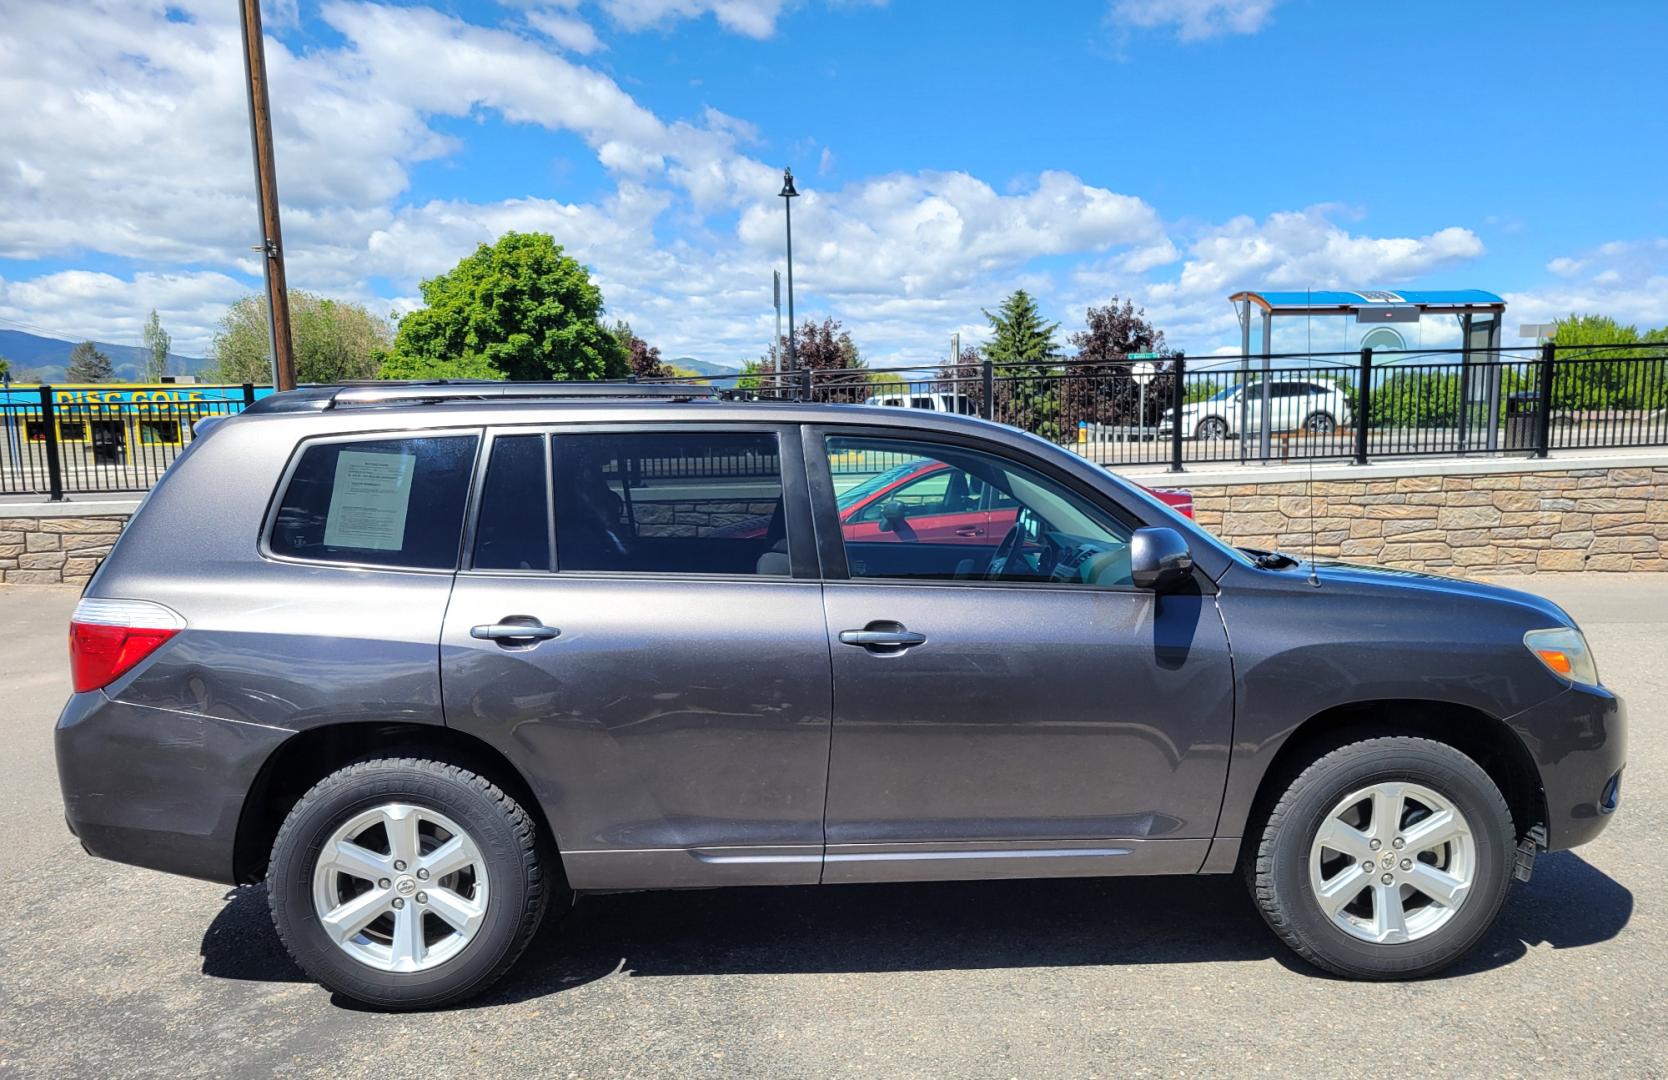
941,504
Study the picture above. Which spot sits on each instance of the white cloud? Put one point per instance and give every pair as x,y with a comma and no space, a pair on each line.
1626,280
754,18
79,304
569,31
1305,249
1194,20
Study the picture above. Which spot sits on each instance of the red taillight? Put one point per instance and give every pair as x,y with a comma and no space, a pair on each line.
109,637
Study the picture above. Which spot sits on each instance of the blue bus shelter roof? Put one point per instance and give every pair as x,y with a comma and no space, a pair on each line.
1341,302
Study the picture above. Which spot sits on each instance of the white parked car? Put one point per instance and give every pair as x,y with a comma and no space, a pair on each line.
1293,405
960,404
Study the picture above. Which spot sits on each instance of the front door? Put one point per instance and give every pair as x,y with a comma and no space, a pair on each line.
1017,707
663,676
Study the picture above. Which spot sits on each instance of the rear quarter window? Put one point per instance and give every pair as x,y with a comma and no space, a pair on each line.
377,502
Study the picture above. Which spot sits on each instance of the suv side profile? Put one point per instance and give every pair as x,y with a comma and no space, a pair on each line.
439,656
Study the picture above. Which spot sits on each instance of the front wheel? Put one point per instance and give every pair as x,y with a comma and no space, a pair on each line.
1385,859
405,883
1211,428
1320,424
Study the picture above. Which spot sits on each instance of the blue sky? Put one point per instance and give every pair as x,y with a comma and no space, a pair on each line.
1171,151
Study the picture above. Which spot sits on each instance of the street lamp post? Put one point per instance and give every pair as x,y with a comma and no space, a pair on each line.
788,195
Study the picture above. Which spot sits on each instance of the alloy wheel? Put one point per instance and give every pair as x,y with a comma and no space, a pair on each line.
400,888
1392,862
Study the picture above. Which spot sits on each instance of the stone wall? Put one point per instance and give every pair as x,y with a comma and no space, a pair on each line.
1519,521
54,550
1507,522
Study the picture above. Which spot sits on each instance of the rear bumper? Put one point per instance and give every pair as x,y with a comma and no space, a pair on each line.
1579,741
157,788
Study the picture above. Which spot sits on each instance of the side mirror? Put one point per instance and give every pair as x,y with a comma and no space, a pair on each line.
892,514
1159,559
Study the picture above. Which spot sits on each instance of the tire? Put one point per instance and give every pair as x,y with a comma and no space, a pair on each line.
1320,424
1211,427
1291,866
496,900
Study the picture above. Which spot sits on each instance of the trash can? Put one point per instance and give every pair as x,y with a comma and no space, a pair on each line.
1523,414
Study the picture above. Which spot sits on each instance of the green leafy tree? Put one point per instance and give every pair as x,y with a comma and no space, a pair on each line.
1023,350
88,365
1591,377
155,343
515,309
334,340
1200,391
5,368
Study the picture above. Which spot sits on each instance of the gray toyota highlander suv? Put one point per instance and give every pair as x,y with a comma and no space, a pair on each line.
432,658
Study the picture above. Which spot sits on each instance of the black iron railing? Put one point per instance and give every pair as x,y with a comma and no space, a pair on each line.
1114,410
1119,410
51,446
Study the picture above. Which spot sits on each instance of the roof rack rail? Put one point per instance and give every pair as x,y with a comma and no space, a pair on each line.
347,395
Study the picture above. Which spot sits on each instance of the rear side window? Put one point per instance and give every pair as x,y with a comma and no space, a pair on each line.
670,502
381,502
512,531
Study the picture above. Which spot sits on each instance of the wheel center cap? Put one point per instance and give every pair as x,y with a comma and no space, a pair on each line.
405,886
1387,860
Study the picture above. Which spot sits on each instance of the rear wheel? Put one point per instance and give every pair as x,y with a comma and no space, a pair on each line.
1320,424
405,883
1385,859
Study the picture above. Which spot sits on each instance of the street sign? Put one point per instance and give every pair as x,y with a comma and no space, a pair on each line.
1143,372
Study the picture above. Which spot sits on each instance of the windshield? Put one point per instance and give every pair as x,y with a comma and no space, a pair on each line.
854,495
1225,392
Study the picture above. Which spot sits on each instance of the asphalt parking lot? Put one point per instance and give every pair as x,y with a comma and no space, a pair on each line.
107,970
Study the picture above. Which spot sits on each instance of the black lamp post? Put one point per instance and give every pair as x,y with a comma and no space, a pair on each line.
788,195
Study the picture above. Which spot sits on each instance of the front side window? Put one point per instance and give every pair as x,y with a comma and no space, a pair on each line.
670,502
377,502
949,513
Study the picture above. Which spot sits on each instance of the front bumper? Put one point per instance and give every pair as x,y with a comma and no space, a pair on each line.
155,787
1579,742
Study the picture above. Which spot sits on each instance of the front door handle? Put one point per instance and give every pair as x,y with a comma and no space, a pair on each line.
514,630
970,530
885,638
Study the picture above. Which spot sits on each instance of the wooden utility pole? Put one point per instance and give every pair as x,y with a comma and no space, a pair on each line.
266,195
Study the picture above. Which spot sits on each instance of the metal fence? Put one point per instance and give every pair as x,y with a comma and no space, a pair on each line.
1123,411
1114,410
53,447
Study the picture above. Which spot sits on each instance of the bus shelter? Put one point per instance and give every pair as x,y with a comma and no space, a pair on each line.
1480,315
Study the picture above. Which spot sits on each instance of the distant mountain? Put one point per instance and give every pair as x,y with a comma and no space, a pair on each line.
703,367
42,359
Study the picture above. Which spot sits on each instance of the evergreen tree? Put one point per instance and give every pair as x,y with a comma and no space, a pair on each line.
1023,350
88,365
1020,337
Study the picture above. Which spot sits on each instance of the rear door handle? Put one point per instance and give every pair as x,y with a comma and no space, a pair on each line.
514,629
887,638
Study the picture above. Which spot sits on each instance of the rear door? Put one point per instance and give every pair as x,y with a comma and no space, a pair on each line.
661,677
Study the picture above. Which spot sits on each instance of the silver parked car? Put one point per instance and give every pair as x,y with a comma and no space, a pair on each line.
429,659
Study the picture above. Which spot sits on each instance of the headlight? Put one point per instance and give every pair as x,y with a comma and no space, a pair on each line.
1564,651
